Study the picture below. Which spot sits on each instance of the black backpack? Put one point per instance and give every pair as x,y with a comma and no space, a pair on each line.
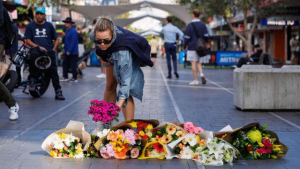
200,44
8,30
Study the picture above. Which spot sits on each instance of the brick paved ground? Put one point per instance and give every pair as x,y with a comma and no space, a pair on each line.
210,106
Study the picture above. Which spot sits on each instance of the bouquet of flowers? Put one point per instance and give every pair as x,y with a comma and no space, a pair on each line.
66,145
154,149
104,111
257,143
165,133
70,141
217,152
121,144
142,127
189,147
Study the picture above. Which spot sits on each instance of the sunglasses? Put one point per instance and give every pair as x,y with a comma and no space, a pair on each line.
104,41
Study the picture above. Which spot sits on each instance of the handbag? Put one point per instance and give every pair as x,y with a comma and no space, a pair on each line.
3,66
200,44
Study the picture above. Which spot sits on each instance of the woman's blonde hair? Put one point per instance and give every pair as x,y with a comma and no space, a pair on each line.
103,24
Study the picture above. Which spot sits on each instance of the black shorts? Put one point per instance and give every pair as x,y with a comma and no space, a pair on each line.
153,55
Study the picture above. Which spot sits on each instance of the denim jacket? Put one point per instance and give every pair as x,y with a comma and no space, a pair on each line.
128,75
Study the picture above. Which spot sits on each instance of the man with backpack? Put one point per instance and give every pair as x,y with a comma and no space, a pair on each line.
41,36
195,37
5,94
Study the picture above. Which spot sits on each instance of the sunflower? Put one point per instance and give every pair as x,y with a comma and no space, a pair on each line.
171,129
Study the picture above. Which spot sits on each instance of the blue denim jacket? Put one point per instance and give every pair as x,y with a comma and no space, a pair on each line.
128,75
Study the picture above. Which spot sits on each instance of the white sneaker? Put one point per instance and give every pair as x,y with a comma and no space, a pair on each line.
194,83
102,75
14,112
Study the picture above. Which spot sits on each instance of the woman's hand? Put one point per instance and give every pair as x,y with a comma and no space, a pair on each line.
121,103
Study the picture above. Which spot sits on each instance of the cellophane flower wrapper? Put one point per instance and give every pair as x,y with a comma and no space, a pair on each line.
73,129
216,153
254,141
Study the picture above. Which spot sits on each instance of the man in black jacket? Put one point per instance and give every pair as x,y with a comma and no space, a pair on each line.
5,94
258,51
194,29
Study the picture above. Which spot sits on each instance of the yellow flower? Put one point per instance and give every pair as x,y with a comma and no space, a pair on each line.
149,134
171,129
255,135
198,137
60,150
166,139
71,155
133,124
126,141
79,151
149,127
62,136
180,133
141,133
113,143
53,154
260,144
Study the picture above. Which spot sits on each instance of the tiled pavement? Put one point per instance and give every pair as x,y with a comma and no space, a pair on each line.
210,106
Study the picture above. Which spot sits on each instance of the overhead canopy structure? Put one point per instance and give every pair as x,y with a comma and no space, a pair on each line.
127,21
92,12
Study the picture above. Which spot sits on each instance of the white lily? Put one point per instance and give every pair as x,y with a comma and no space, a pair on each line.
103,133
215,148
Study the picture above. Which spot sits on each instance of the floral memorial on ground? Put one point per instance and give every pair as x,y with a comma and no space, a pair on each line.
150,139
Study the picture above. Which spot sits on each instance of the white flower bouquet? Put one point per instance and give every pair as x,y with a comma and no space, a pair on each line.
69,142
217,152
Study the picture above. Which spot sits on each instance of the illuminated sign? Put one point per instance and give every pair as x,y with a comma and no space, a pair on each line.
266,22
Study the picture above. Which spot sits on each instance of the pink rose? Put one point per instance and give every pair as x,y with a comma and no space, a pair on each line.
104,154
134,153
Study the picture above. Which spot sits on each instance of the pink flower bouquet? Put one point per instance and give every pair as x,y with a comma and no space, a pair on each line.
121,144
104,111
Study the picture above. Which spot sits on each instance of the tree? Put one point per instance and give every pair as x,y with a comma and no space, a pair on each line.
32,4
228,9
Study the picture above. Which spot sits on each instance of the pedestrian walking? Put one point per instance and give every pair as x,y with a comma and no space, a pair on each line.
170,31
5,95
70,51
41,36
294,50
154,48
123,53
194,30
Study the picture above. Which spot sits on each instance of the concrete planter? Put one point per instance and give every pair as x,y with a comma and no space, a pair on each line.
261,87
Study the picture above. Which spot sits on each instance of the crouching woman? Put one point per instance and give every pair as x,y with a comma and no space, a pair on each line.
123,53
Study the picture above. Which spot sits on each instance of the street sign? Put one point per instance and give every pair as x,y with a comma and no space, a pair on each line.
228,58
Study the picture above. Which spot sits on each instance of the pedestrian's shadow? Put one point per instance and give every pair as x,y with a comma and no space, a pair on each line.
38,153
